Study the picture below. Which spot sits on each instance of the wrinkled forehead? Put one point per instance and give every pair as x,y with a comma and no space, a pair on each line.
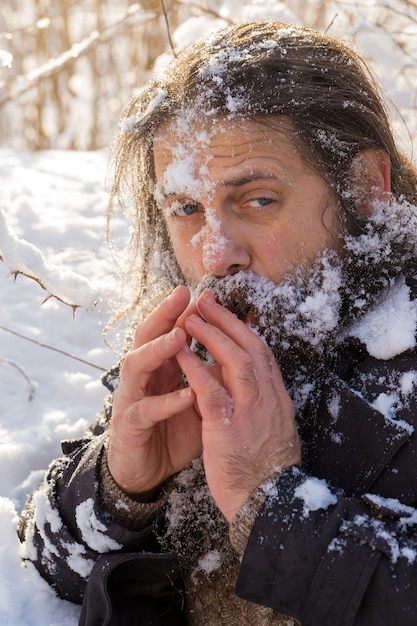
183,148
188,147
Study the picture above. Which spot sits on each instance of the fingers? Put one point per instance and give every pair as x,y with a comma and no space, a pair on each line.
239,368
151,371
216,314
156,342
151,410
250,386
164,318
155,431
140,364
144,449
248,418
247,361
190,310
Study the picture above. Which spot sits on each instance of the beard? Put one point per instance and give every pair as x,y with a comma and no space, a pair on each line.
298,319
304,318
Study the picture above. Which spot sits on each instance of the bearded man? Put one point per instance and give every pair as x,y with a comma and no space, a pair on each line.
256,462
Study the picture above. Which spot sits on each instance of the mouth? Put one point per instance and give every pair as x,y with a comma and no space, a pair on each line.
239,308
234,294
243,311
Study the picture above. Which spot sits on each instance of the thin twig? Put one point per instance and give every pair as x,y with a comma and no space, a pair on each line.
44,345
23,373
171,42
331,23
207,11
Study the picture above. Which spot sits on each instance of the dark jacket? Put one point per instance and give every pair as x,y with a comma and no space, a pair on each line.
334,544
355,561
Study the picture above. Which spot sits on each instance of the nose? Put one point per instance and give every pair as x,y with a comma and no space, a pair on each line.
224,253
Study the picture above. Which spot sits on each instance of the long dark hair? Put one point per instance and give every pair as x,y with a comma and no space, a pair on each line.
263,70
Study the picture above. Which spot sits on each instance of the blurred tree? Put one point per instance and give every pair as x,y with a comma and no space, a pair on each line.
76,62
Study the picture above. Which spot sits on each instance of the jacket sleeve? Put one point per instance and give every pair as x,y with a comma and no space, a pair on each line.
324,558
64,528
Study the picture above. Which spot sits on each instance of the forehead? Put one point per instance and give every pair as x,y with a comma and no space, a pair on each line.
190,154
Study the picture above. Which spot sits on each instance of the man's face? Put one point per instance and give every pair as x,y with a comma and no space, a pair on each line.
237,195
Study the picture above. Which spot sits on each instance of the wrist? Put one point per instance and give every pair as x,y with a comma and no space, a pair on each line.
131,512
129,486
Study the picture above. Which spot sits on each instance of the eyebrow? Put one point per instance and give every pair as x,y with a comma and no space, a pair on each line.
232,182
249,178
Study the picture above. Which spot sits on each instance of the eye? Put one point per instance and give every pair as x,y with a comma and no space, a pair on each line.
182,209
257,202
188,209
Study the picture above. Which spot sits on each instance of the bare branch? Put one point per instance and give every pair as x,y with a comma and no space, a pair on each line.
22,84
206,10
171,42
22,257
23,373
44,345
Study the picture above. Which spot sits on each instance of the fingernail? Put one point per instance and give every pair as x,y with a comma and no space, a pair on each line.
174,292
186,392
186,349
208,297
194,319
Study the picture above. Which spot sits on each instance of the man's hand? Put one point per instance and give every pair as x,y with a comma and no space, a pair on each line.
248,418
155,431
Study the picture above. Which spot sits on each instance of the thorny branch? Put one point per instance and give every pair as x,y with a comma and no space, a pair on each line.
16,273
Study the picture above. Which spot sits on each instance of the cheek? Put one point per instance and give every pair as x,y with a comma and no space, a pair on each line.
270,248
273,247
188,244
279,253
188,255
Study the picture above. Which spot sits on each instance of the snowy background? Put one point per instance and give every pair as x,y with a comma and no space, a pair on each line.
56,201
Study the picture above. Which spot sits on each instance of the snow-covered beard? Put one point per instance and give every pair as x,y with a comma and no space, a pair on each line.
297,318
302,318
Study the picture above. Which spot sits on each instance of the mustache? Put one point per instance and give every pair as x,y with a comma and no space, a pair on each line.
305,307
240,292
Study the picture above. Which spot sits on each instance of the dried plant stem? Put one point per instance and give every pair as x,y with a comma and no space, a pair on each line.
171,41
21,371
44,345
22,84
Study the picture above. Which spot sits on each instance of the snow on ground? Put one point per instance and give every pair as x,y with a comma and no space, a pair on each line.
55,200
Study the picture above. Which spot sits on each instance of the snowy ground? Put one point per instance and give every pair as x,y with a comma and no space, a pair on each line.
56,201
